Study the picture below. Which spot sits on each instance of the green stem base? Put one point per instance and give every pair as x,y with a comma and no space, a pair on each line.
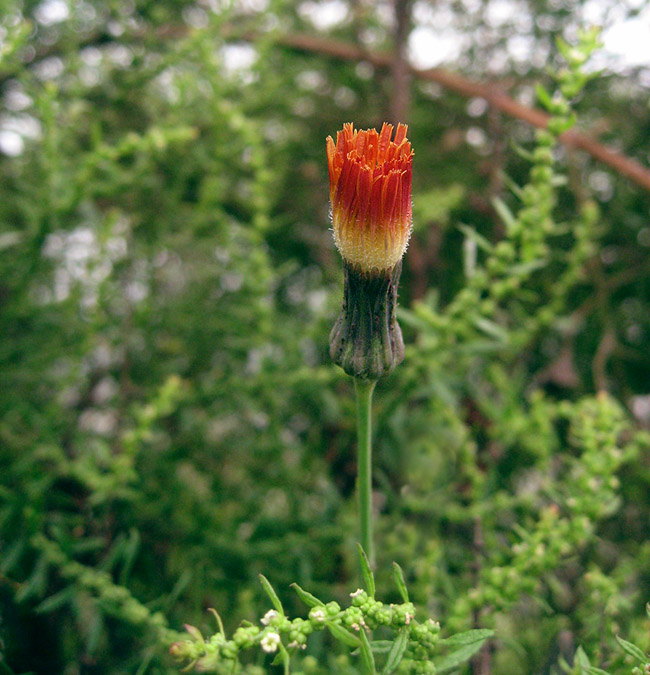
364,390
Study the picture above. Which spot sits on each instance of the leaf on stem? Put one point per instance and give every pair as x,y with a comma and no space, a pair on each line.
266,585
479,239
468,637
367,658
631,649
57,600
469,643
581,658
451,661
366,572
343,635
543,96
397,651
506,215
309,599
398,577
381,646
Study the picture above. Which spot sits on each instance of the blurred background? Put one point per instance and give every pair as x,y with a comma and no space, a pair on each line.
170,423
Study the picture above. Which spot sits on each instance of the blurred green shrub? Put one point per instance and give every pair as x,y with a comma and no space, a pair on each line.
169,423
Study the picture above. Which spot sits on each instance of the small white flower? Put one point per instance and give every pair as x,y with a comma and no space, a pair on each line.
407,618
270,642
318,615
356,626
356,593
269,616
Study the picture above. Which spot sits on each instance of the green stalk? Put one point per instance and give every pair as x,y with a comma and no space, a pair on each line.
364,389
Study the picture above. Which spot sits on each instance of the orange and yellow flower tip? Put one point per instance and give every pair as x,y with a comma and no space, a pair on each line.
370,193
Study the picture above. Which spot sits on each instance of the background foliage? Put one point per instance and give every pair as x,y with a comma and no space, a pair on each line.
170,423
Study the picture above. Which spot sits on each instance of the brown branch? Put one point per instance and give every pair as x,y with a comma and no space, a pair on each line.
496,97
622,164
399,67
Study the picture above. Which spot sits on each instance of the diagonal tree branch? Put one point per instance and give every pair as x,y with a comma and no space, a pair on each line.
400,69
625,166
496,97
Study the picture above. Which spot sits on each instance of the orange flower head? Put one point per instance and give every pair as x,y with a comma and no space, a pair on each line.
370,193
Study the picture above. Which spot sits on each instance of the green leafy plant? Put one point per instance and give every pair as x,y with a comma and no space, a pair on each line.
596,427
411,646
170,421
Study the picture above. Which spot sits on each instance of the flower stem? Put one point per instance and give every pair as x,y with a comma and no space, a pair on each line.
364,389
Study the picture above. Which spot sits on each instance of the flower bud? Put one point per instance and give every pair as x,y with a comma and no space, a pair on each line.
370,194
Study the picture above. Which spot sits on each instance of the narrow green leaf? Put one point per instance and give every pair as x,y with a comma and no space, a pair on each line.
543,96
632,649
114,554
309,599
450,661
412,319
367,658
343,635
37,582
57,600
397,652
179,587
272,594
130,553
592,670
524,269
398,577
366,572
468,637
522,152
490,328
472,234
381,646
511,185
95,632
581,658
12,556
144,664
504,213
87,545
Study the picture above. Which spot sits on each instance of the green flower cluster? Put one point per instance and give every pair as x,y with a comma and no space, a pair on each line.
115,599
279,634
414,649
